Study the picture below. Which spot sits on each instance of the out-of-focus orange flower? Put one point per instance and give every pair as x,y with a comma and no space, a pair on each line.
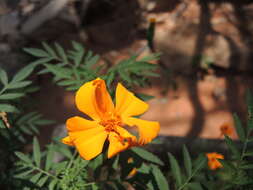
226,129
89,136
152,20
213,163
134,170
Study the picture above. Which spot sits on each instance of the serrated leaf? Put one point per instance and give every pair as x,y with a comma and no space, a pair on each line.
61,53
49,159
8,108
92,61
36,177
21,84
49,50
160,179
23,157
175,169
59,71
23,174
36,52
3,77
52,184
231,145
36,152
239,128
42,181
22,74
10,96
147,155
187,161
151,57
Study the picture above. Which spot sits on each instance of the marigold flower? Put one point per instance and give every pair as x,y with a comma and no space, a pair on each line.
89,136
226,129
213,163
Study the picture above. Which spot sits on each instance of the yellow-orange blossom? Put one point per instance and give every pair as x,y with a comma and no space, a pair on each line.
89,136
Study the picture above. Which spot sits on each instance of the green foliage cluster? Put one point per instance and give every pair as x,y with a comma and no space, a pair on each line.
59,167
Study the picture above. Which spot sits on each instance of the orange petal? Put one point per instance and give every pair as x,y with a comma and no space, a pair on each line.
148,130
120,142
67,141
93,99
127,104
79,124
85,134
90,146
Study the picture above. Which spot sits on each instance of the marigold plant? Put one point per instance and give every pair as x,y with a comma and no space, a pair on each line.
89,136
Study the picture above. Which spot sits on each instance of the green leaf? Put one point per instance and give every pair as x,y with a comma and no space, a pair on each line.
36,177
23,73
96,162
42,181
175,169
8,108
36,52
21,84
187,161
144,97
23,157
49,159
89,63
239,128
194,186
10,96
231,145
49,50
3,77
228,165
160,179
24,174
147,155
61,53
52,184
247,166
59,71
249,153
116,163
36,151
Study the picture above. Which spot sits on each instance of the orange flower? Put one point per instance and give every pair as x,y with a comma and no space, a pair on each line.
213,163
226,129
89,136
152,20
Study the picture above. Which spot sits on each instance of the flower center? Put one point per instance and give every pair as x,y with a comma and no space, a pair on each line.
110,122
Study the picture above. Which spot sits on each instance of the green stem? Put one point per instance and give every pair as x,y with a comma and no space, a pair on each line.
72,160
2,91
44,172
88,184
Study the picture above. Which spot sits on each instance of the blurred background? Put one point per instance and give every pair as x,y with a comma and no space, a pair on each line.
206,51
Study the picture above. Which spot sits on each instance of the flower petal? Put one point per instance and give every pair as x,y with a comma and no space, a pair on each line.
93,99
79,124
148,130
90,146
67,141
120,141
127,104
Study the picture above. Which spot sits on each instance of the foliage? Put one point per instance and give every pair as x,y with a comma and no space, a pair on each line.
58,167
